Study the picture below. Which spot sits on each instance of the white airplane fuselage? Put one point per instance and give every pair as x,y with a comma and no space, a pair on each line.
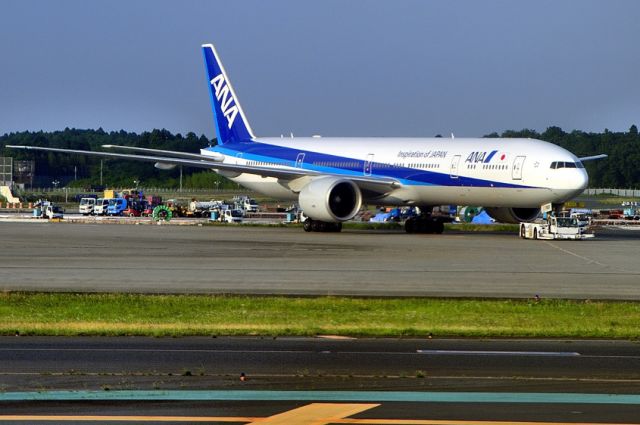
432,171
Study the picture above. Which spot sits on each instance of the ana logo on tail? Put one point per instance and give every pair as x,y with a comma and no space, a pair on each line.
223,95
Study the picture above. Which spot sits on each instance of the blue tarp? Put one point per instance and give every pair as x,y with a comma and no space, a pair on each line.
482,218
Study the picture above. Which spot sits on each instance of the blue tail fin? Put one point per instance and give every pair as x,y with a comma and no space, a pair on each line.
231,124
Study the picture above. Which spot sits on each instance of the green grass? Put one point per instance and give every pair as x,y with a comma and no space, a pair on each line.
182,315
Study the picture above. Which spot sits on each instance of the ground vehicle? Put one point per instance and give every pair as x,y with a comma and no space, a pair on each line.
132,211
554,228
116,206
246,203
227,215
202,208
101,206
46,209
87,205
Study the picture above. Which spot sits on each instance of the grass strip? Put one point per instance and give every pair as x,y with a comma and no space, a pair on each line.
187,315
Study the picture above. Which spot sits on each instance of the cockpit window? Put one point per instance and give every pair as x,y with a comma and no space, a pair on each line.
566,164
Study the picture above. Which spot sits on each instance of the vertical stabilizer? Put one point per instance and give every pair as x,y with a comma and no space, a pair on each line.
231,123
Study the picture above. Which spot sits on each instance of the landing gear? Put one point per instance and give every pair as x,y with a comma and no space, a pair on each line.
424,224
310,225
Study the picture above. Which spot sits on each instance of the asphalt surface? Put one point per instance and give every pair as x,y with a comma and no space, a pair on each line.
470,374
258,260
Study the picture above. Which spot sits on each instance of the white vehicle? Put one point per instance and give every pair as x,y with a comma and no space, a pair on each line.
228,215
331,178
87,206
246,203
204,207
49,210
101,206
555,228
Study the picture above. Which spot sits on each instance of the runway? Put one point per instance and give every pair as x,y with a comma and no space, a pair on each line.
258,260
351,381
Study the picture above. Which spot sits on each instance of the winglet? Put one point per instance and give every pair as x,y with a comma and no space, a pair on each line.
231,123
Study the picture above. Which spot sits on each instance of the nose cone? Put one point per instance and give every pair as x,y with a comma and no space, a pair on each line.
582,179
572,183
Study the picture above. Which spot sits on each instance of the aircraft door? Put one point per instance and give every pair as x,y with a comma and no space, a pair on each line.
368,165
299,160
517,167
454,167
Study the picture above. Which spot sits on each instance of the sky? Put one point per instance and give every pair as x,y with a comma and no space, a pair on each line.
335,68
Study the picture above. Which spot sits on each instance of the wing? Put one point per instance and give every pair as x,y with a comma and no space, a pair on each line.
286,174
594,157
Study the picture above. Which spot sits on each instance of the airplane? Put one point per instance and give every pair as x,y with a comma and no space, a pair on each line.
331,178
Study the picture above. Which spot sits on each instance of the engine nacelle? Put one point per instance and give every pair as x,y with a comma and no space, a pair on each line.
330,199
513,215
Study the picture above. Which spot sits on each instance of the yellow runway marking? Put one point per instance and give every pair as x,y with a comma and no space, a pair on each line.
79,418
316,414
311,414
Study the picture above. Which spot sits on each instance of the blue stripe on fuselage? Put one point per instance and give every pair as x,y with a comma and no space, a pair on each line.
262,152
490,156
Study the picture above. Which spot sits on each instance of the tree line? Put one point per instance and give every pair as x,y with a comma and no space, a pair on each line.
620,170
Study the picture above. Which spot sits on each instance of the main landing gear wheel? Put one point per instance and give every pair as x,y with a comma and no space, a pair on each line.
423,225
311,225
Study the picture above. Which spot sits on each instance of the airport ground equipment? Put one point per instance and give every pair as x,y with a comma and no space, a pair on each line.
227,215
555,228
162,212
48,210
203,208
116,206
101,206
245,203
87,206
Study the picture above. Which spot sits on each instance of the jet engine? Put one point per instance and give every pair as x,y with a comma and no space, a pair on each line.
513,215
330,199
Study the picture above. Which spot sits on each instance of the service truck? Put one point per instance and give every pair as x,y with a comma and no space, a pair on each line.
49,210
245,203
203,208
116,206
87,205
227,215
555,228
101,206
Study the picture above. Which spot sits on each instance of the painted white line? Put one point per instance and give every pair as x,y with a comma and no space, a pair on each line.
500,353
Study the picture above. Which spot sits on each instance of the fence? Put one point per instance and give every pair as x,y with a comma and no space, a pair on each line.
627,193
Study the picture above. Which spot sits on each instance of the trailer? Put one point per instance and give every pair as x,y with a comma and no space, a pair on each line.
554,228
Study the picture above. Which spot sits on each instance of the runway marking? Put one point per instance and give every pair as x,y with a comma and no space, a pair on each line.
501,353
311,414
325,396
106,418
566,251
316,413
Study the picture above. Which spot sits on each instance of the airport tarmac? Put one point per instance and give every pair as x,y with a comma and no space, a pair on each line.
262,260
307,379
